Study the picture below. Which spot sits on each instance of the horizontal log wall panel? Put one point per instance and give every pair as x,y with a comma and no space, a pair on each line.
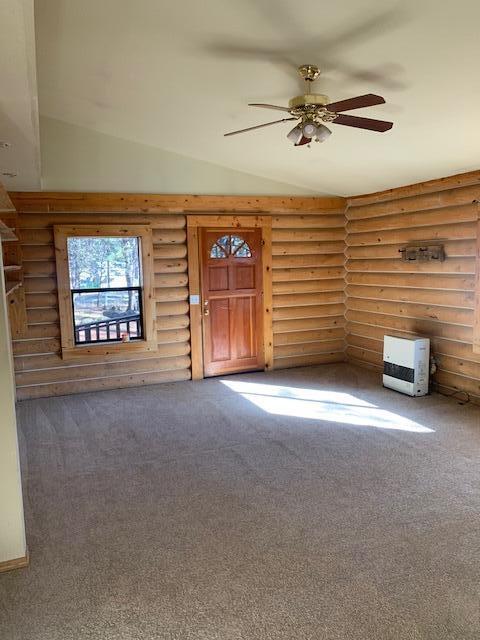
385,295
40,369
460,231
166,266
38,252
37,363
281,327
42,316
143,203
173,322
45,330
40,284
167,336
456,181
301,248
34,346
414,311
104,370
313,273
169,236
43,299
101,384
167,294
439,344
309,235
308,288
452,265
309,260
457,299
316,335
35,237
39,268
45,221
395,202
378,322
308,348
169,252
453,249
418,218
307,299
324,221
329,357
169,279
414,280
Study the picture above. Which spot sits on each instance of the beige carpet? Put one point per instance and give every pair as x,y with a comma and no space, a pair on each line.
201,511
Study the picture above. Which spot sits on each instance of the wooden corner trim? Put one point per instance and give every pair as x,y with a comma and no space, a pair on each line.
16,563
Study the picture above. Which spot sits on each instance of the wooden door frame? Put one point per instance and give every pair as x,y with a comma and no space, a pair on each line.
194,222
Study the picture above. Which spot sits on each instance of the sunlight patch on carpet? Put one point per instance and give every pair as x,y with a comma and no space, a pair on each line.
316,404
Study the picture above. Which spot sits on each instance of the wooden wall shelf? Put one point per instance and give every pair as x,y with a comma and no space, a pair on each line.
6,233
10,287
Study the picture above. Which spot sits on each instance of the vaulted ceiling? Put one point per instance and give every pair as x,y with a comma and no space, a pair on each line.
177,75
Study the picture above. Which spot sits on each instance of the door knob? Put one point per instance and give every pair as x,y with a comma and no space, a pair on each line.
205,308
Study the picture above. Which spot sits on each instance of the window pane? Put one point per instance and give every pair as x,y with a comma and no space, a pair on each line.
236,242
103,262
217,252
224,242
244,252
107,315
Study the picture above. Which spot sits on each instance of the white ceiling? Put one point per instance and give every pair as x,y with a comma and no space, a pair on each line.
177,75
18,97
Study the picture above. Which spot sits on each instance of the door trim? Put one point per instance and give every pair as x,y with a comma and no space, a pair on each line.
194,222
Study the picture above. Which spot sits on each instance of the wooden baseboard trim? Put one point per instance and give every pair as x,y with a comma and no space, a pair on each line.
17,563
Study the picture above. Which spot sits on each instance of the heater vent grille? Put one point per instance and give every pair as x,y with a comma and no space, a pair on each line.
399,372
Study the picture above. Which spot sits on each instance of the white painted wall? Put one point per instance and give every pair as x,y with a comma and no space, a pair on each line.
80,159
19,124
12,527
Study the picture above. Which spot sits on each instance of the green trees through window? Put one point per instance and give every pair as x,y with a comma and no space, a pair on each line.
105,282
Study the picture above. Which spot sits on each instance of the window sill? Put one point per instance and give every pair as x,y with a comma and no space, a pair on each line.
107,351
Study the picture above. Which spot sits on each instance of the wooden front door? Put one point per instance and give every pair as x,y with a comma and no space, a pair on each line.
231,280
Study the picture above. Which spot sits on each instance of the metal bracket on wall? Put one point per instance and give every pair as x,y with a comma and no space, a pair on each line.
423,253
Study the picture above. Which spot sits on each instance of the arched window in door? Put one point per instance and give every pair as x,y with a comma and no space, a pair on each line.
230,245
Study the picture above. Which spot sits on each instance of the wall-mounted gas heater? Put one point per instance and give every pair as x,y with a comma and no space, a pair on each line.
406,364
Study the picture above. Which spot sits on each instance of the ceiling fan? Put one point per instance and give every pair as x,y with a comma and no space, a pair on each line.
314,109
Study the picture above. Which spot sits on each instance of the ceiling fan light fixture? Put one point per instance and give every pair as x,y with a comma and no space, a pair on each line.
323,133
309,129
295,135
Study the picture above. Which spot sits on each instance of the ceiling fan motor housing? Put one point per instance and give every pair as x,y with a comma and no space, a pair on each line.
313,99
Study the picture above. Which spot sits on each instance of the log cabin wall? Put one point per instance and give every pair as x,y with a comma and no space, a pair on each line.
308,280
40,370
432,299
308,289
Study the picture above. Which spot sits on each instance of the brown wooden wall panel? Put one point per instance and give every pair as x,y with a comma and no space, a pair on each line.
40,369
308,283
436,300
308,288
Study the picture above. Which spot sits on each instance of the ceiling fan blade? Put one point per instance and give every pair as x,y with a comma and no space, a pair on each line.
258,126
368,100
269,106
363,123
303,140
